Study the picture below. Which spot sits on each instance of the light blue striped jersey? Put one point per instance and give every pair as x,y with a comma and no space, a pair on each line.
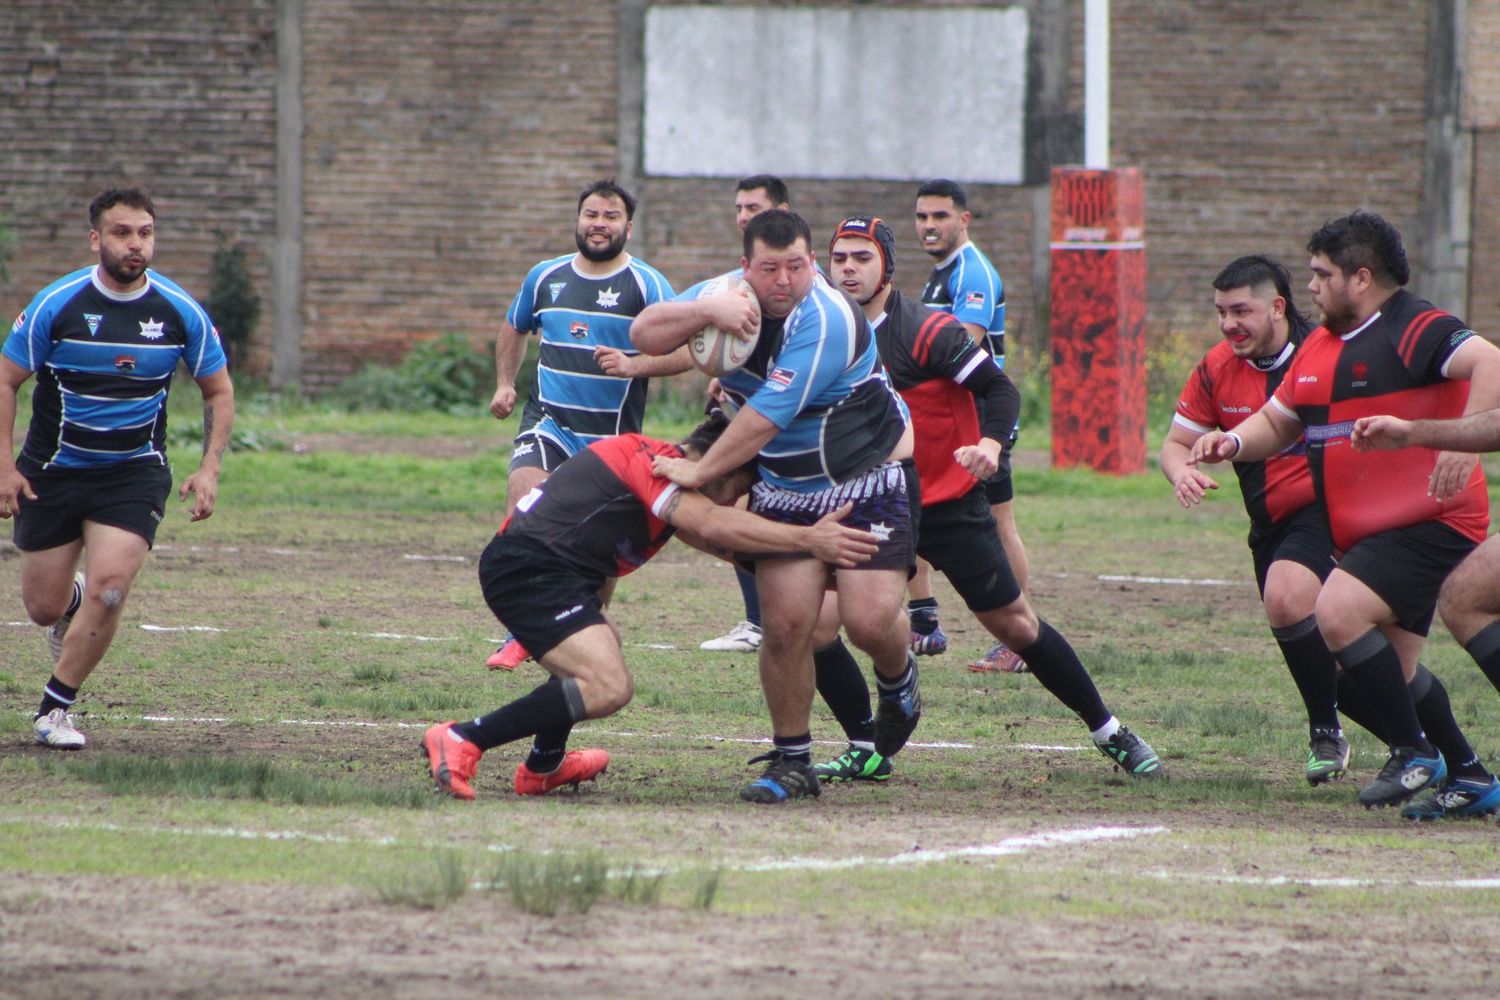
572,401
104,364
967,285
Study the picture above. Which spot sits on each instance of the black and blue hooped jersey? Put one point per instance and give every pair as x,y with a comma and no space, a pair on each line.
104,363
572,400
967,285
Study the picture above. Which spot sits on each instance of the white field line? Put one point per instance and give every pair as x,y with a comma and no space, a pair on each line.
1007,847
1170,581
1328,883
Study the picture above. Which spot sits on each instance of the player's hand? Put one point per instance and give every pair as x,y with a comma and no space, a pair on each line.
13,486
613,361
980,460
1215,446
504,401
838,545
734,311
1190,487
678,470
204,486
1383,432
1449,475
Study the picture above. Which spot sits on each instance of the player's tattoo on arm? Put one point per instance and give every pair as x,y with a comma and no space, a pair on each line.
671,509
208,426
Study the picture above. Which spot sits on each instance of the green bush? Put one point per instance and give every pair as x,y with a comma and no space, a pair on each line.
232,302
444,373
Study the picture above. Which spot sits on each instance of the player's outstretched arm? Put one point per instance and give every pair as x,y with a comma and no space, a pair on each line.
1188,483
613,361
1265,433
723,531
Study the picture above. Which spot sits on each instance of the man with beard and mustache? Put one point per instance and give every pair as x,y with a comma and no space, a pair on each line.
590,380
1400,523
92,480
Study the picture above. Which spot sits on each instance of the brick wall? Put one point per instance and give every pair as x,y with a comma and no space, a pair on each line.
174,97
445,143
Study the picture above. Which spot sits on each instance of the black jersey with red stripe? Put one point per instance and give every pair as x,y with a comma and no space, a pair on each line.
1393,363
939,371
1223,392
601,509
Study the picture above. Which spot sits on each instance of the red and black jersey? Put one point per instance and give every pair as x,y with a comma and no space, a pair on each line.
939,371
1393,363
1223,392
601,509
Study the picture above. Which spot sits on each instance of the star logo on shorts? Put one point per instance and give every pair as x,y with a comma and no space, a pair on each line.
524,448
881,531
151,329
608,299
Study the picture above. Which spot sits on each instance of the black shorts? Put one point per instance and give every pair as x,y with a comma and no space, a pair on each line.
531,450
131,496
1302,538
960,540
882,505
541,599
1406,567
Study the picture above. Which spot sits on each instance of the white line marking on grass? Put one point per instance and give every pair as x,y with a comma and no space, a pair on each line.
181,628
1174,581
419,557
401,635
300,835
1330,883
1010,845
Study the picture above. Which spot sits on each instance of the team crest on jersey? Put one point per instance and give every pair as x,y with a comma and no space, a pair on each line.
579,329
608,298
781,378
125,362
152,330
93,320
1361,371
556,288
974,299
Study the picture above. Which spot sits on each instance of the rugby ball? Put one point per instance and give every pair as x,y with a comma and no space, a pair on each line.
717,351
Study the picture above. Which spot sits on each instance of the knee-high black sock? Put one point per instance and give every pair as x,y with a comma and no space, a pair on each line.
1060,670
1313,671
549,707
1435,713
1354,703
1373,664
1485,648
56,695
842,684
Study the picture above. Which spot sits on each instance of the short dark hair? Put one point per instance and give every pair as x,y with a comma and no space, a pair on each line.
775,187
110,197
777,228
942,187
1256,270
1363,240
610,188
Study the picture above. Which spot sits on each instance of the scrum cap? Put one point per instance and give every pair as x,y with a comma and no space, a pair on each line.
874,229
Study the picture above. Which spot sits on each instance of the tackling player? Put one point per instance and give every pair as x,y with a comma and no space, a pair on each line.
602,514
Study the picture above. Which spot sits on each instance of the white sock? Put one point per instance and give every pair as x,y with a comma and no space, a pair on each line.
1104,732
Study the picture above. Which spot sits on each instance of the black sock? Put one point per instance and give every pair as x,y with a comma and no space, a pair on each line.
1373,664
1312,669
1436,715
1485,648
899,687
923,613
1057,666
550,707
749,595
547,750
56,695
842,685
795,747
1354,704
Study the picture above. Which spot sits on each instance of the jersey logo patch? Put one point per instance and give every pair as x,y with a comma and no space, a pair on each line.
579,329
608,299
93,320
556,288
524,448
152,330
974,299
125,362
20,322
781,378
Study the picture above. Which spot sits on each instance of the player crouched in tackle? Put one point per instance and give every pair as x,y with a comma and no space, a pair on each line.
602,514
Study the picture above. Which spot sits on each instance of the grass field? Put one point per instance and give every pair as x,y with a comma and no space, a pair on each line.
253,819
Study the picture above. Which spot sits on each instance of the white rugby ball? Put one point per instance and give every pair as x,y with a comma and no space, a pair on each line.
717,351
